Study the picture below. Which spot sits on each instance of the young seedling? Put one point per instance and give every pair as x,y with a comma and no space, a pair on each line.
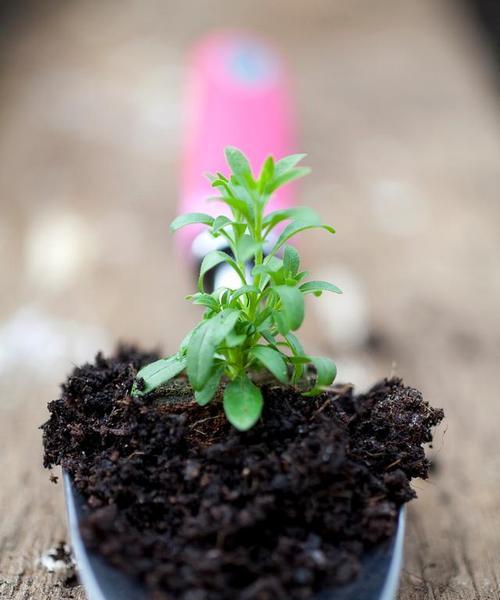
247,329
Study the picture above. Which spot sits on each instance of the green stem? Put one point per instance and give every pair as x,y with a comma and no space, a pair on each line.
258,257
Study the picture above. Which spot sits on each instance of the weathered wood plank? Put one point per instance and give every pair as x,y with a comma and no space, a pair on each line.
401,123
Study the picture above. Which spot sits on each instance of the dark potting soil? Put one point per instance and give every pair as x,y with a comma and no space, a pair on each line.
199,511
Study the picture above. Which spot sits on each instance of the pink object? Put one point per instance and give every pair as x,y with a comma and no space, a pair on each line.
237,95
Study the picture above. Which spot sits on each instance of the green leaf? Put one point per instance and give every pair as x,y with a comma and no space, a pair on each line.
266,333
190,219
262,318
266,173
234,339
294,344
303,213
296,227
217,177
220,222
272,360
185,342
287,177
203,344
247,247
264,326
238,162
206,394
291,260
281,322
292,305
211,260
298,351
326,371
234,203
288,162
272,268
204,300
222,293
244,289
316,287
239,228
157,373
236,197
299,360
272,265
242,403
200,354
268,274
245,195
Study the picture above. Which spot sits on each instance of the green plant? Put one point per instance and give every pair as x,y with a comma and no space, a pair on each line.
248,329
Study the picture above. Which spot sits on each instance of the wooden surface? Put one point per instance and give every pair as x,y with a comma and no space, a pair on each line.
401,122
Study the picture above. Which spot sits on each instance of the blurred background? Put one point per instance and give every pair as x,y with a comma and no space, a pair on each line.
398,109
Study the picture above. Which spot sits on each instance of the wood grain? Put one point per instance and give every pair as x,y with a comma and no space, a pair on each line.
401,121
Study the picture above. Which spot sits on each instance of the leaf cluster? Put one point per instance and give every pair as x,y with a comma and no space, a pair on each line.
250,328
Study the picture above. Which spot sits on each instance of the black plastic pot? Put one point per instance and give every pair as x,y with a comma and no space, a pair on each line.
378,579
